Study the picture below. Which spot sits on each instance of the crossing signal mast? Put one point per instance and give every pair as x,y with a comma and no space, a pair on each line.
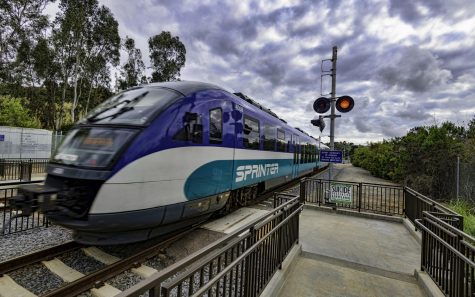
323,104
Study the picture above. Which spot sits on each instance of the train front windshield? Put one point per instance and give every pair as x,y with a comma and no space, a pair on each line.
92,146
132,107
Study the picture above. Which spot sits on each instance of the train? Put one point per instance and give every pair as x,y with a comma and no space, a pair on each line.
163,156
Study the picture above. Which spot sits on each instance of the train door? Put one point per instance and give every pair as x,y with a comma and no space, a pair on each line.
296,146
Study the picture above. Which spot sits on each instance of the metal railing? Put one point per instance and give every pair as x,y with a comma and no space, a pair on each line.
21,169
240,264
417,204
11,220
448,254
377,198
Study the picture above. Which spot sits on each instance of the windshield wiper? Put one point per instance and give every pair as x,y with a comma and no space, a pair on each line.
122,110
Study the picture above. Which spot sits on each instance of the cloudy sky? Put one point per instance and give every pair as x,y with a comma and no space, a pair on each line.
405,62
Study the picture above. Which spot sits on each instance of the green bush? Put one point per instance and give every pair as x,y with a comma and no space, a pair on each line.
466,210
14,114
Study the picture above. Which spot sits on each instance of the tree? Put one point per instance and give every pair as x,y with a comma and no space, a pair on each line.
167,55
132,71
22,22
85,37
14,114
102,49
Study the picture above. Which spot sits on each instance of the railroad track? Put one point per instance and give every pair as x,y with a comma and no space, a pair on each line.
75,282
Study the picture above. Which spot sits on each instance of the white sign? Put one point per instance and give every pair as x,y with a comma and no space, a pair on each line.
341,193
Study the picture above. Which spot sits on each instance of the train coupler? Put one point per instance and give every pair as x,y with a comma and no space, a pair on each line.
32,197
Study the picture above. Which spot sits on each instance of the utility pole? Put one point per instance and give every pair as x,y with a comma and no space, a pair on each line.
332,115
458,177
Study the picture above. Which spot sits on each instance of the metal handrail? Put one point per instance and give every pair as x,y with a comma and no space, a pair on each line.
429,201
447,245
239,259
353,183
159,277
448,226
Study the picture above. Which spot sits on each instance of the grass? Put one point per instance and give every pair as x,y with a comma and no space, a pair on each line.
467,210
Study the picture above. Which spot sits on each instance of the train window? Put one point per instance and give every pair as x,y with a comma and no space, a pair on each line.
302,153
280,140
288,140
269,138
216,125
251,133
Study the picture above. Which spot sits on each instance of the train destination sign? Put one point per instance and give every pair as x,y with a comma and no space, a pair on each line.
331,156
341,193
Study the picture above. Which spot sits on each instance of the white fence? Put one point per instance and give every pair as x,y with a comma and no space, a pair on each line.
25,143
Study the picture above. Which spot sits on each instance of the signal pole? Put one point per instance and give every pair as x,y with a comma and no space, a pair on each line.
323,104
332,115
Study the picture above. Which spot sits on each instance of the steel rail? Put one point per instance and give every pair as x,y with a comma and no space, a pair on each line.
99,277
35,257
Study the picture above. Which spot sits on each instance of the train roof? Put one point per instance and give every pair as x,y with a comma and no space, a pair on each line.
184,87
190,87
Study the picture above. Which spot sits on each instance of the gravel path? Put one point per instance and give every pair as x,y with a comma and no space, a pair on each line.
348,172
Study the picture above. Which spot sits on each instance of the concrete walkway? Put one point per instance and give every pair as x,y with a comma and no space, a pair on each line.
353,256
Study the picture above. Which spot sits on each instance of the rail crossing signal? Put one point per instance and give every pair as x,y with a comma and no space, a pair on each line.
319,123
322,105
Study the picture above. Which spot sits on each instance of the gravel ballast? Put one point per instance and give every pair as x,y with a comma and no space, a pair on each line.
36,279
22,243
81,262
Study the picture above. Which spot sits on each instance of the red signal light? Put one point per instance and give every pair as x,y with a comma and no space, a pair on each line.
345,104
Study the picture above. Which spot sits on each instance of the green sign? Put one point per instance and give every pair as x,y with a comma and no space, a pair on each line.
341,193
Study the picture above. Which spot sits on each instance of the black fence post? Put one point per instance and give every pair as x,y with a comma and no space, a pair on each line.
460,268
360,194
303,185
2,168
249,269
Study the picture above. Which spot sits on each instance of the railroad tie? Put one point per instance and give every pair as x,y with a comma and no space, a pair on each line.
100,255
62,270
105,291
103,257
9,288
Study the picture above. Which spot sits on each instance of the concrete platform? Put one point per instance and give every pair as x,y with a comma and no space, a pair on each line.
381,244
311,277
353,256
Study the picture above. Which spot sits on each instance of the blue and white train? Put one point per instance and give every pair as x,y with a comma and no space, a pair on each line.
163,156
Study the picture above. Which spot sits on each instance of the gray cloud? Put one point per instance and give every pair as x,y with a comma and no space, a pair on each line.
400,78
412,114
415,70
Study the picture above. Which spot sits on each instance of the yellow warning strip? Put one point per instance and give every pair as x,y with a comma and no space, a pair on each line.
65,272
105,291
100,255
9,288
